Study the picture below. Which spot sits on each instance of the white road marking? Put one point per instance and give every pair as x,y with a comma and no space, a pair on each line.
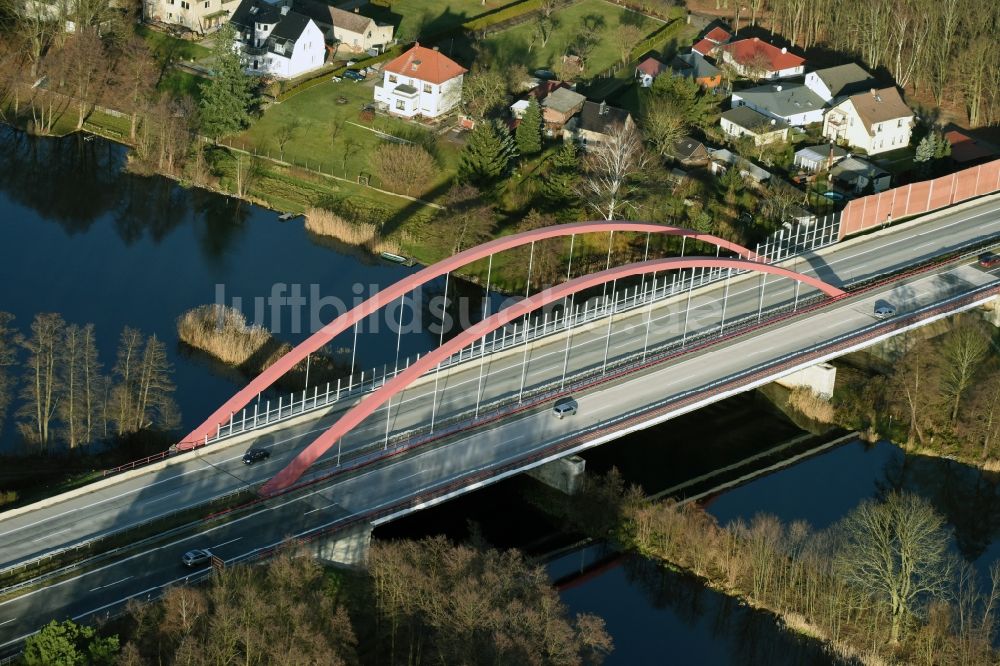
101,587
7,621
228,542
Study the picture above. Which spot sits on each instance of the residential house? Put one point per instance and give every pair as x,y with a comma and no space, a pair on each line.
757,59
420,82
833,83
200,16
714,38
518,109
352,31
819,158
559,107
856,174
876,121
967,151
723,159
275,41
648,70
597,120
690,152
694,66
744,121
791,102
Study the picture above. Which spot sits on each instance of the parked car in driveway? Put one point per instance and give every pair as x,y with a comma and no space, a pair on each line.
989,259
354,75
835,196
255,455
193,558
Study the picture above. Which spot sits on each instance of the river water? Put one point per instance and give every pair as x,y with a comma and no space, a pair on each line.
82,238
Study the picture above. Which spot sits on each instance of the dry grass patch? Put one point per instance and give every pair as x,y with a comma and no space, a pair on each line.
223,332
327,223
811,405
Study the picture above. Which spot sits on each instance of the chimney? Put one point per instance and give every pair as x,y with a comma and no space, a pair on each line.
437,48
784,50
777,88
284,9
603,109
357,10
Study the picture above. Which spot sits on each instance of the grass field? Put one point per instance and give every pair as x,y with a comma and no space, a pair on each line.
328,119
416,18
170,49
596,17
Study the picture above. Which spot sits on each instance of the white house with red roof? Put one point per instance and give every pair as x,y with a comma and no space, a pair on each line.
421,82
757,59
648,70
714,38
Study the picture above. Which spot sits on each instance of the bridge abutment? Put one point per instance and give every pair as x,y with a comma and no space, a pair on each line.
565,474
345,548
820,379
991,312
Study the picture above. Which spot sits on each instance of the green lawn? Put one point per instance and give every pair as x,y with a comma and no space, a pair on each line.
596,17
416,18
170,49
330,108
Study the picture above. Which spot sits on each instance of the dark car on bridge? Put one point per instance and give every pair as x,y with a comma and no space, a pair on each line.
989,259
255,455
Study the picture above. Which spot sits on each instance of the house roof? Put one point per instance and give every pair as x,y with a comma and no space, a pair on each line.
852,167
753,121
350,21
693,65
563,100
686,148
782,99
425,64
545,88
748,51
845,79
652,67
288,27
966,149
599,117
744,165
821,152
704,47
879,106
718,35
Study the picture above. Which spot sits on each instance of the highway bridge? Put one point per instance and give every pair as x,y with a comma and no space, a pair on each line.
681,335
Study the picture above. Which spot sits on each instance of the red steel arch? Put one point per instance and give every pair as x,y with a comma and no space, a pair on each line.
388,295
291,473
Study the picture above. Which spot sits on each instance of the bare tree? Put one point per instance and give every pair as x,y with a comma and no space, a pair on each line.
136,71
40,391
896,553
962,352
154,402
664,128
405,168
609,167
626,37
483,91
86,72
127,370
286,132
92,382
70,401
8,358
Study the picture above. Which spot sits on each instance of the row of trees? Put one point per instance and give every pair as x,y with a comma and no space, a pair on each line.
426,601
947,47
939,394
64,395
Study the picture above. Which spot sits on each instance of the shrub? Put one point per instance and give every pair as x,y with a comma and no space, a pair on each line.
404,168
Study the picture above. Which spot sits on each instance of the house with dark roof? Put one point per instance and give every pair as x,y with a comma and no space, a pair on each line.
352,31
875,121
833,83
689,151
744,121
275,41
791,102
596,121
420,82
756,59
647,71
856,174
694,66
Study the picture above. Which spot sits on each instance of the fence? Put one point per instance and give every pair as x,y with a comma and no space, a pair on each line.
917,198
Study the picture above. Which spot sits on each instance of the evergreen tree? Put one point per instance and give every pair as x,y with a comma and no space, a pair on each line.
930,150
529,130
487,154
559,187
228,96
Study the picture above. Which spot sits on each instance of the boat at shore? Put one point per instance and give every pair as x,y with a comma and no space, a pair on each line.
396,258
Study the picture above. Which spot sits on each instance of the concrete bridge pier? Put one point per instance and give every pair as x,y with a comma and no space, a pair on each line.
348,547
565,474
820,379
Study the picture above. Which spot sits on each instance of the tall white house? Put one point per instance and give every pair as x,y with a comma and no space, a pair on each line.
275,41
421,82
876,121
